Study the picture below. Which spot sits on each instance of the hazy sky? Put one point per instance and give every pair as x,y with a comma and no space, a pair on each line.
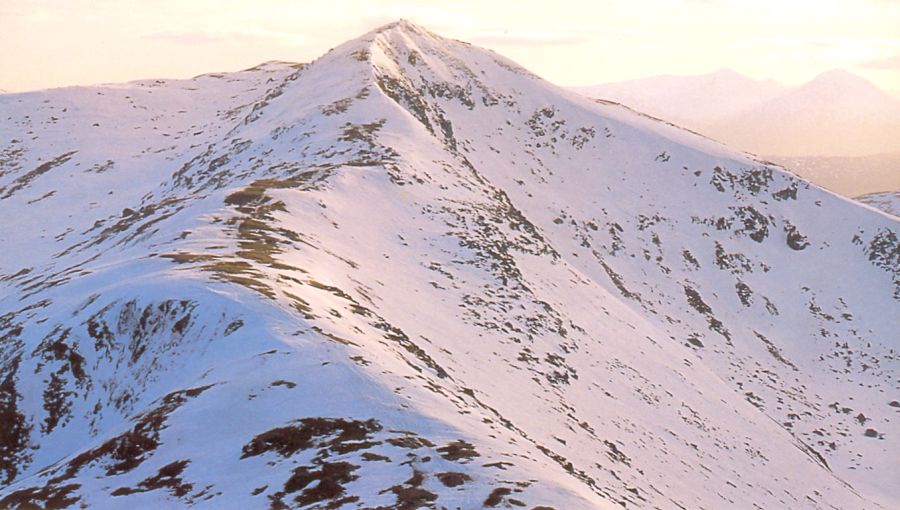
49,43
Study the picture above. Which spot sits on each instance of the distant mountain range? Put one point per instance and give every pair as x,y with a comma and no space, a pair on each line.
848,175
835,115
694,102
888,201
412,274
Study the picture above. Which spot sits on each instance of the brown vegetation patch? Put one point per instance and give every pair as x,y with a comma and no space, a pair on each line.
371,457
57,402
282,382
411,495
122,454
55,348
339,106
327,484
15,429
458,450
46,498
696,301
25,179
286,441
453,479
410,441
168,477
233,326
129,449
188,258
774,351
496,496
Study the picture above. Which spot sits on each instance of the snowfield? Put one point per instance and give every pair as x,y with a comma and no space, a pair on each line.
411,274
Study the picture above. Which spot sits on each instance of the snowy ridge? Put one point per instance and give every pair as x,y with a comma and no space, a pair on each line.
412,274
887,201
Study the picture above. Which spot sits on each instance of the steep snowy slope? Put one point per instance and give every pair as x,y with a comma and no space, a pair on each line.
412,274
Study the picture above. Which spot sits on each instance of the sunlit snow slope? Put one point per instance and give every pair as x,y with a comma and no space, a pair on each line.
413,275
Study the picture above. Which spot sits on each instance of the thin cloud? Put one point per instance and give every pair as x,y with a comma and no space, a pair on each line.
792,41
531,38
204,37
548,38
833,51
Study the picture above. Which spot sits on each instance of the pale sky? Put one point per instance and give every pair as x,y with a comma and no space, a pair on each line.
51,43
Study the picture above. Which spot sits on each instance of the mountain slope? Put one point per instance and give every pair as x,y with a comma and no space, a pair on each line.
412,274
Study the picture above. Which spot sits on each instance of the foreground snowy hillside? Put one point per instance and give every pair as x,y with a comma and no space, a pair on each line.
413,275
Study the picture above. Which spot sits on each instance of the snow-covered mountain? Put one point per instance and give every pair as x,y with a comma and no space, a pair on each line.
695,101
835,114
850,176
887,201
411,274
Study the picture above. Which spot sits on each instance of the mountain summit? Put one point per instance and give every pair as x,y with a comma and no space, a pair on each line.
411,274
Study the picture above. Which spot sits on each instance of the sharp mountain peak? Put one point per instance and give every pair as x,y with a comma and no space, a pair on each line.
412,274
